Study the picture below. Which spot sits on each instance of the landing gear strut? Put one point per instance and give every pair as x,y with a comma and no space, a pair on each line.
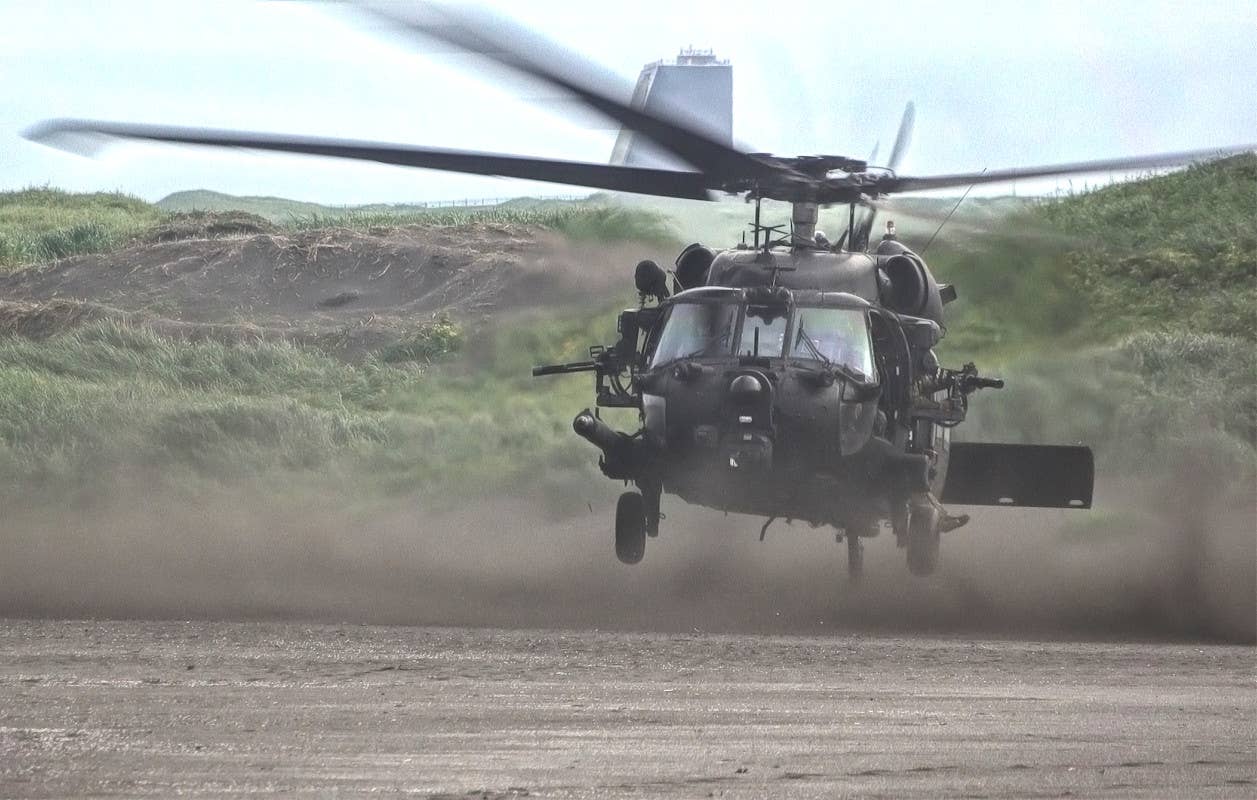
855,535
923,537
855,557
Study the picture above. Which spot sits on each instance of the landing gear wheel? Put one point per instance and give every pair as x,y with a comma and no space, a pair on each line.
923,539
630,528
855,557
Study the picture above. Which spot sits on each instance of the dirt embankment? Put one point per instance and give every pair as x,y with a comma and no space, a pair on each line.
311,286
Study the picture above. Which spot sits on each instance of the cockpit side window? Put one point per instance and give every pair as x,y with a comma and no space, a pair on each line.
696,330
838,335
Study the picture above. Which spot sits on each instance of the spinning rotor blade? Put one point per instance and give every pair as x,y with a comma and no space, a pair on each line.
520,49
867,205
78,135
894,183
717,166
904,137
872,159
864,229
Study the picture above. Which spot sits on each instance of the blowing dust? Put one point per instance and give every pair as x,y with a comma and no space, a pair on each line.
1139,565
239,554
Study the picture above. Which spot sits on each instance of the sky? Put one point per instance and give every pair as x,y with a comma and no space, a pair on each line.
995,85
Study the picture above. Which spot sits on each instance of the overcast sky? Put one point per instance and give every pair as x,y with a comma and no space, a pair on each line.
996,84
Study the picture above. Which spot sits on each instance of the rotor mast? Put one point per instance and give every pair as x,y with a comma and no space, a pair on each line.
803,216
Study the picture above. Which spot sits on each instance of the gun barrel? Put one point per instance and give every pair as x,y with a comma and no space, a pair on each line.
565,369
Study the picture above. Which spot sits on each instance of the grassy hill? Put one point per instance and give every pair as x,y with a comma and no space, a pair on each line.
1125,317
39,225
42,224
719,224
280,210
1173,253
275,209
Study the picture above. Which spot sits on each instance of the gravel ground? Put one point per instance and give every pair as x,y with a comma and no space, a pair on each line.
211,709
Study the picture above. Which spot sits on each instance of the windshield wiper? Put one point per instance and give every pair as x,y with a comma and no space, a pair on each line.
714,341
845,371
812,348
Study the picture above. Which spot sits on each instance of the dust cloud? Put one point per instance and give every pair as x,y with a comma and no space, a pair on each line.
1184,569
1181,571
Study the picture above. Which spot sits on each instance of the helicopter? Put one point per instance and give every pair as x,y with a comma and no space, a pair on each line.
786,377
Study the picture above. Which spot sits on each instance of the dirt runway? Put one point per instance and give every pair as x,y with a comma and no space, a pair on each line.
211,709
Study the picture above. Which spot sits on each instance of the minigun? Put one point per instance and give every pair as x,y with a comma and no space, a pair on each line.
610,364
966,380
959,384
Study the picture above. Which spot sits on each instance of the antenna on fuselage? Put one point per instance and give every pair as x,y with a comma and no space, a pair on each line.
764,233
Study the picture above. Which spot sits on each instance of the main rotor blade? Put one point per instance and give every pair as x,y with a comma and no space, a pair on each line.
892,184
864,228
518,48
904,137
80,135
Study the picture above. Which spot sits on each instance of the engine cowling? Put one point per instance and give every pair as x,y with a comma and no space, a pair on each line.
692,266
905,283
907,288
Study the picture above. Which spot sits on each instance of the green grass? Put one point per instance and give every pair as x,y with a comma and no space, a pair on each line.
1124,318
1139,402
38,225
424,344
1175,253
109,398
106,398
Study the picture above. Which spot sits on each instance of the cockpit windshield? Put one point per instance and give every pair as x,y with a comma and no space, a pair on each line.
833,336
764,332
836,335
696,330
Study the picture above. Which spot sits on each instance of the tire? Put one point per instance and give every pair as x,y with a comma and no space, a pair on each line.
923,540
630,528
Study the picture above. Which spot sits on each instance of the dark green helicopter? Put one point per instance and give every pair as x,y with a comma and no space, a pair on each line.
788,377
